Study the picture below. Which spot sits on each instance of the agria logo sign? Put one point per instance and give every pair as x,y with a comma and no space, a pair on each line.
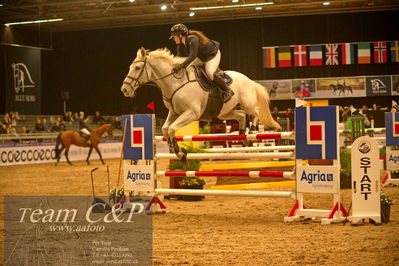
316,132
317,179
22,77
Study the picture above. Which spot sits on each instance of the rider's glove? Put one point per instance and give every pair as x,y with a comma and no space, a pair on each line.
177,68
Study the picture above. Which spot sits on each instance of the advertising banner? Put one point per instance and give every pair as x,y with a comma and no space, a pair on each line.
395,85
22,81
139,178
278,89
303,88
340,87
392,159
45,153
317,179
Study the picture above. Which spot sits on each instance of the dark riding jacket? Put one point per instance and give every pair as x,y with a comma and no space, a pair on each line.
192,50
82,124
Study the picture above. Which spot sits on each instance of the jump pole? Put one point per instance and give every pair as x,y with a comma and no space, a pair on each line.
233,193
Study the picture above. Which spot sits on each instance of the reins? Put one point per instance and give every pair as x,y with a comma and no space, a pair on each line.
138,83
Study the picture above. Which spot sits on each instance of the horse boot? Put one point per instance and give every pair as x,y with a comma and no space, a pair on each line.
227,93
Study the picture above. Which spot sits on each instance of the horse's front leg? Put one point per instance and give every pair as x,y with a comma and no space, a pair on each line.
88,155
184,119
169,120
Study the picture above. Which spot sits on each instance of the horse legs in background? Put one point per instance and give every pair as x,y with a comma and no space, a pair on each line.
99,154
58,154
240,116
88,155
66,155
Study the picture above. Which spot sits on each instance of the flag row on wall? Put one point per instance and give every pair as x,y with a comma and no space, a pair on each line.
331,54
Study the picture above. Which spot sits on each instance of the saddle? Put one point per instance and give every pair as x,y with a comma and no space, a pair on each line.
203,80
83,135
215,101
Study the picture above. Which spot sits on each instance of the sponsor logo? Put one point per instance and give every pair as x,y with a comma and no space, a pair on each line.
377,85
316,177
22,77
364,147
139,176
27,155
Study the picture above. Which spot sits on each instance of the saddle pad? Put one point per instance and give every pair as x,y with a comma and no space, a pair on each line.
203,80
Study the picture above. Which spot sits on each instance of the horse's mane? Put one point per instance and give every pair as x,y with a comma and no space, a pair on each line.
165,53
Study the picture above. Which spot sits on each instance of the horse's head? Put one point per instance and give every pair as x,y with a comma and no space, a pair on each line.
138,74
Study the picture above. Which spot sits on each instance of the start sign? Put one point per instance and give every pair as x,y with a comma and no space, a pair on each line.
365,180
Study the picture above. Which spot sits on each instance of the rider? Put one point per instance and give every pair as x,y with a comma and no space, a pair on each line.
195,44
83,128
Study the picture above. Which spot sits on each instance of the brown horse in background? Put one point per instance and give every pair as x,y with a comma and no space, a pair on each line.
72,137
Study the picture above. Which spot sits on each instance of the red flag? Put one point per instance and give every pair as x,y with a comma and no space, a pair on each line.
151,106
300,55
380,52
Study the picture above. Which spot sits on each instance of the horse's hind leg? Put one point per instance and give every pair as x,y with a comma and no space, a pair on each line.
59,154
66,155
238,115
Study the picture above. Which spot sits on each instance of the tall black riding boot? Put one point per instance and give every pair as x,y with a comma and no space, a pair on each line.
227,93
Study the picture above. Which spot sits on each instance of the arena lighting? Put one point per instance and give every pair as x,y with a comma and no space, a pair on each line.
231,6
235,1
33,21
164,7
192,14
326,3
131,1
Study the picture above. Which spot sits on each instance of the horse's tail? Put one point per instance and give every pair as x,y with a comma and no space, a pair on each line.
57,144
265,116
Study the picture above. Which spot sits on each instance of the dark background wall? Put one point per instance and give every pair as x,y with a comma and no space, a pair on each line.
91,65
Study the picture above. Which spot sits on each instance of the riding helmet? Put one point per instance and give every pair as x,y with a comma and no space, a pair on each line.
178,29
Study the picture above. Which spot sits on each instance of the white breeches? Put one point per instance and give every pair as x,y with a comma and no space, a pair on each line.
212,65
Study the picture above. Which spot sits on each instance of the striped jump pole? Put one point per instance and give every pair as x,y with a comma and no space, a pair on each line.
225,137
233,193
227,173
252,149
190,156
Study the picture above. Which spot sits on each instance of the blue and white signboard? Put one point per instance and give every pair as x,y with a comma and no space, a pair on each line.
139,137
316,132
392,128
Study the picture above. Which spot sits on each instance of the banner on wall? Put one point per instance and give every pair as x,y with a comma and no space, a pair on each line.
340,87
278,89
395,85
378,86
45,153
303,88
22,79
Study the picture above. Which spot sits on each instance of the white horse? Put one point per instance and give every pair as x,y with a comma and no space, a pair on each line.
186,100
